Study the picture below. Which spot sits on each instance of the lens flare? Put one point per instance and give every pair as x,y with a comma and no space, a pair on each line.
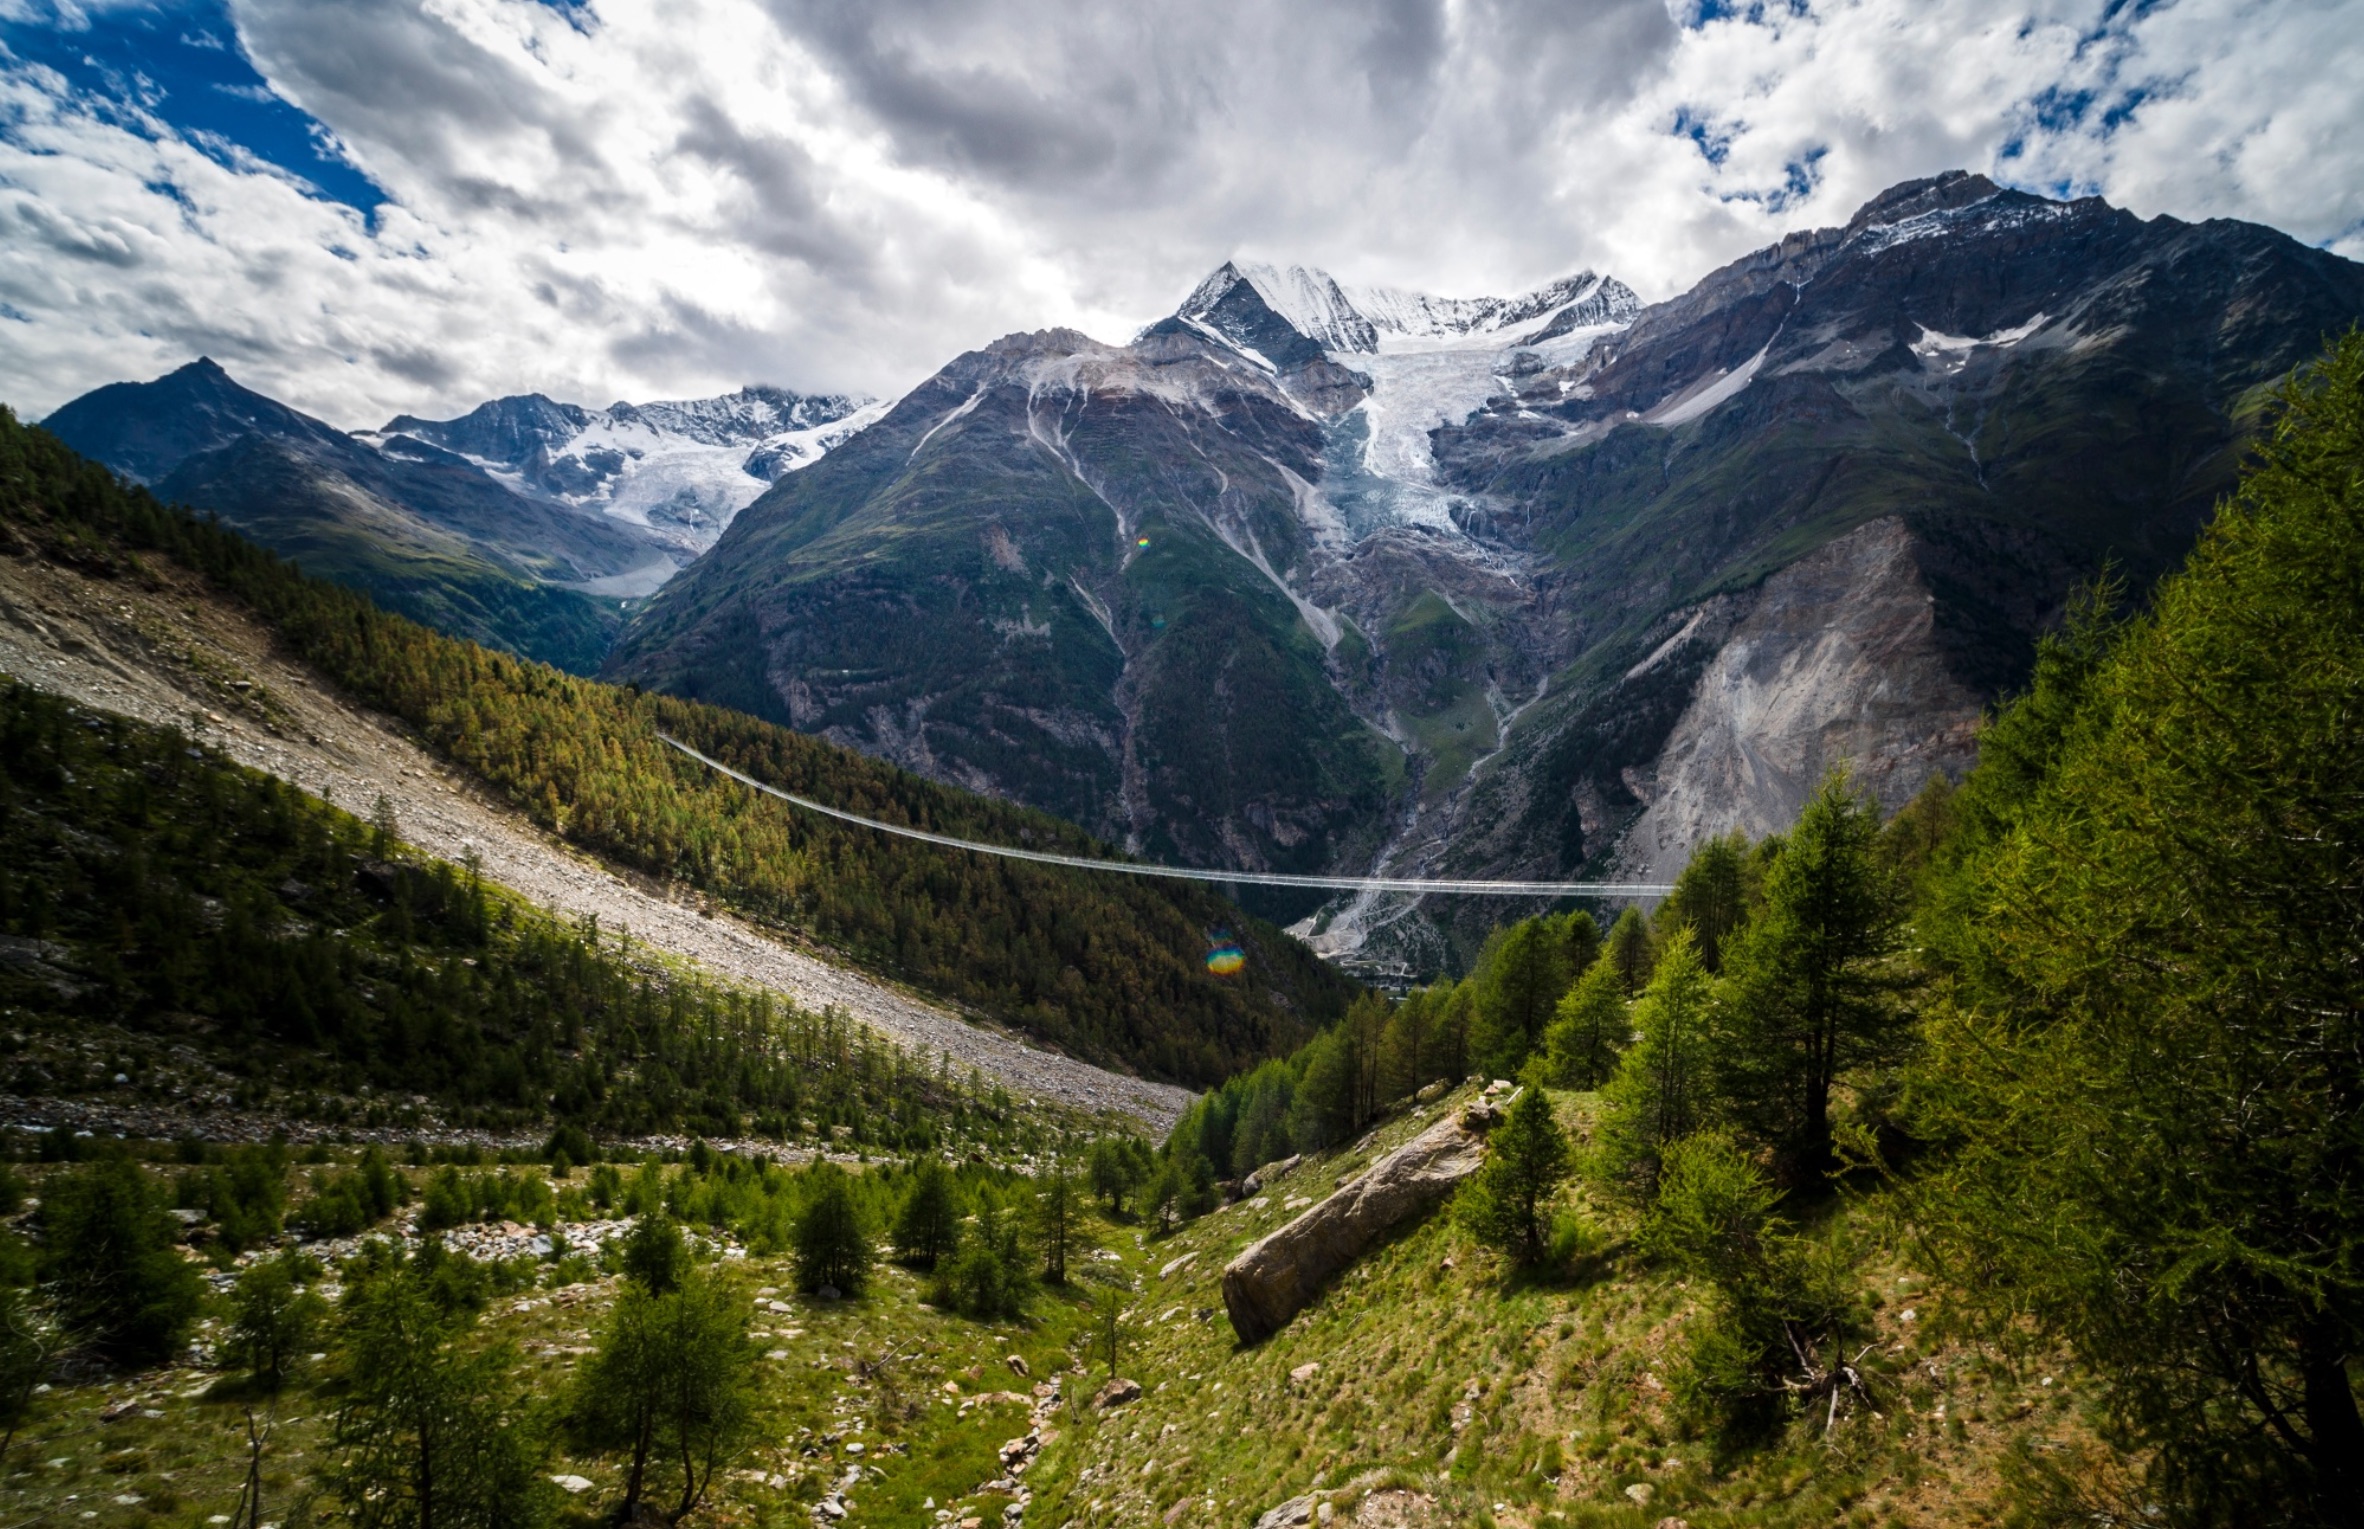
1143,542
1226,959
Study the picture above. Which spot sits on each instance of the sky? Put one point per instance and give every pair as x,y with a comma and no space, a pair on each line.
366,207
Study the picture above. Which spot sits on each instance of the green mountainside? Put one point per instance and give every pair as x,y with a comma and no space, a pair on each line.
1054,572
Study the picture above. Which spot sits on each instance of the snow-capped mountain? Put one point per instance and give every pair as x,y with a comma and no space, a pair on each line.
681,468
1387,366
1362,321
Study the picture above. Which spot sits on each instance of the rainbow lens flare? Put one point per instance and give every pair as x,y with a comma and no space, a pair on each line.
1226,958
1143,542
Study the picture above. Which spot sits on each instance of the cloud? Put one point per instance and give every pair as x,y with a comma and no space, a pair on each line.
633,198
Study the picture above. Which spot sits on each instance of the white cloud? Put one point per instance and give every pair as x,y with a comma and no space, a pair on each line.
648,198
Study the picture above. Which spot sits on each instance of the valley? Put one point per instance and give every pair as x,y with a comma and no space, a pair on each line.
178,655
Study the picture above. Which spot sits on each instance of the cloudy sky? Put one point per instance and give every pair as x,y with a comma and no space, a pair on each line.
369,206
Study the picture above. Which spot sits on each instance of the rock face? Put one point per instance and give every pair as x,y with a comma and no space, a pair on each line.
1837,662
1274,1278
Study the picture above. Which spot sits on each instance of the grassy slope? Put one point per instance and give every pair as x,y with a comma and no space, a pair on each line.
176,1456
1521,1402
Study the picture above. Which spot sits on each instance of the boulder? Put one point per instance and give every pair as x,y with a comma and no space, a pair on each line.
1115,1394
1277,1275
1289,1515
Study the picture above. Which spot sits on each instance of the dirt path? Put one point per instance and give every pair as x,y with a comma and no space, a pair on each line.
177,654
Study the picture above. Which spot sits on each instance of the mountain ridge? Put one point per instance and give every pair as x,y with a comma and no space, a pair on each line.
1480,531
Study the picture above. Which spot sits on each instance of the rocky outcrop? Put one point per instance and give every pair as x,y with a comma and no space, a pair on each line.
1838,662
1277,1275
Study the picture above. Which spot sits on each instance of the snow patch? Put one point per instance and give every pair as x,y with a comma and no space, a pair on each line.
1935,344
1702,396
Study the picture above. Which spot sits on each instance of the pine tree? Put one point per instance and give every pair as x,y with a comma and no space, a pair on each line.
673,1385
1661,1091
1519,982
1590,1031
429,1432
1631,950
2149,1026
1507,1202
927,1226
109,1252
1711,895
1054,1212
832,1247
1802,1006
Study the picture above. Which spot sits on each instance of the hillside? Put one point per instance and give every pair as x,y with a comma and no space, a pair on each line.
1103,971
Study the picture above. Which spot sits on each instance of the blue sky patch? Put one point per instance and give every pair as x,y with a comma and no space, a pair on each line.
182,63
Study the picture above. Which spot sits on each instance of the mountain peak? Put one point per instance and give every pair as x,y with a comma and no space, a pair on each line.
144,430
1949,192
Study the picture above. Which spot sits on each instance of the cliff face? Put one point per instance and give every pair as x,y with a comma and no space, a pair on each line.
1838,661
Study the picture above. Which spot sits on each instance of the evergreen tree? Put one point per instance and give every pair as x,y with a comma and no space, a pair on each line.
1711,895
430,1433
1408,1051
1054,1212
927,1226
986,1276
832,1247
655,1256
1802,1006
1519,982
1507,1203
1590,1032
272,1321
108,1249
2143,1083
1631,949
1661,1091
1117,1165
1321,1113
673,1386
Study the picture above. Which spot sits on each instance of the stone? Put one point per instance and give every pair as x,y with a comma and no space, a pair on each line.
572,1486
1672,1522
1280,1273
1296,1511
1641,1492
1115,1394
1017,1364
1303,1373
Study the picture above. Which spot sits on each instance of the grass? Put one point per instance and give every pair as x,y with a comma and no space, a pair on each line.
1429,1373
1517,1399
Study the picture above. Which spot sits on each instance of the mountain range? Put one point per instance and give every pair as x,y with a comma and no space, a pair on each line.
1309,576
526,524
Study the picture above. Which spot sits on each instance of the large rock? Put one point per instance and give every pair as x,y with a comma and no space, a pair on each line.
1276,1276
